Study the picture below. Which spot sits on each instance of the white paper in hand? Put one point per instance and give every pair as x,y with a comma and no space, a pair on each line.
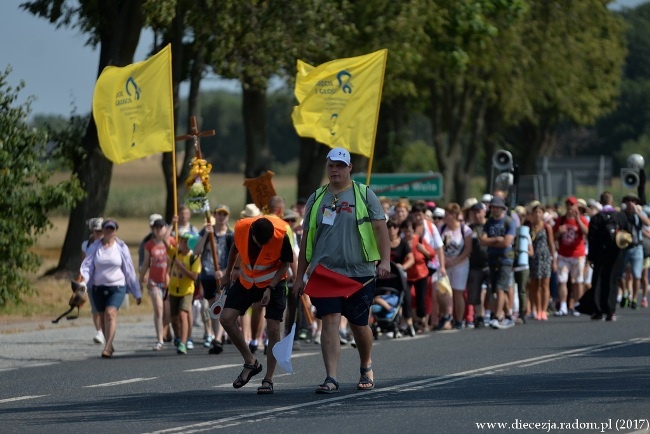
282,351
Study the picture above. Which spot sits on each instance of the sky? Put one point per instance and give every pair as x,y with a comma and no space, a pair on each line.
59,70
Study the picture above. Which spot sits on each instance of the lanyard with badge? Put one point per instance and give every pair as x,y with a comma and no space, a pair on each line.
329,213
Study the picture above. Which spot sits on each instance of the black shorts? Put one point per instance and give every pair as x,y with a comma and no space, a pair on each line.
475,282
355,308
240,299
210,288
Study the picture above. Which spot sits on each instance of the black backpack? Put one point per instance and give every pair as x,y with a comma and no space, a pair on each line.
602,235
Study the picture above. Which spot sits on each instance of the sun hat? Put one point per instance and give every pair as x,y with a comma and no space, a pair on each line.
290,215
487,197
444,286
623,239
469,202
250,210
592,203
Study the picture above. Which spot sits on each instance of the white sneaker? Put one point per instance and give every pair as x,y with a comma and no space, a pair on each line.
505,323
317,338
189,344
494,323
99,338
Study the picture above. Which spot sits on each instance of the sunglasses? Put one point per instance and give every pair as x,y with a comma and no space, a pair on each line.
436,218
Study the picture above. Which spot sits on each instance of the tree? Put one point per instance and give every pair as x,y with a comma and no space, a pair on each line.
472,66
114,26
630,122
256,40
575,56
27,195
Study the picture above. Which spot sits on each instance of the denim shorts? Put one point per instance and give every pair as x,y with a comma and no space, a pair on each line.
634,257
355,308
108,296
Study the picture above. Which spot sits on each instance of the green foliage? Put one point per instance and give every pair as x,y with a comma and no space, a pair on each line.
625,126
26,193
418,157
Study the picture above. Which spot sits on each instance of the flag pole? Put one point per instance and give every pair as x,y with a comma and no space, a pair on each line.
374,133
173,139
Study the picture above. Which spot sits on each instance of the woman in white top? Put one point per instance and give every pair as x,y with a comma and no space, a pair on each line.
108,269
457,241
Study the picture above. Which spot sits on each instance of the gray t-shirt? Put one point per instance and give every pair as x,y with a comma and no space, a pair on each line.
338,246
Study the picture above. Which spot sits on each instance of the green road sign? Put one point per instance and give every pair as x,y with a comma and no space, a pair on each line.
412,185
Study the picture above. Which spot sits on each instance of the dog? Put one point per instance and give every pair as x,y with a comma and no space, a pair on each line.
78,299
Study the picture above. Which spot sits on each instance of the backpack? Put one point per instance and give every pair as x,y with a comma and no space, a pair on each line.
602,235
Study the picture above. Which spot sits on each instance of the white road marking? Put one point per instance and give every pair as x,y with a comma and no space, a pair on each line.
21,398
414,385
118,383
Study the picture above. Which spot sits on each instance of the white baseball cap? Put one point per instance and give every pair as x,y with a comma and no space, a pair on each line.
339,154
153,218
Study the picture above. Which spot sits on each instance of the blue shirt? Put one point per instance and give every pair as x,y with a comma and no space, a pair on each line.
500,228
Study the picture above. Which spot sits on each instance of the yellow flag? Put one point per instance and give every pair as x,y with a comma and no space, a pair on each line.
133,108
339,101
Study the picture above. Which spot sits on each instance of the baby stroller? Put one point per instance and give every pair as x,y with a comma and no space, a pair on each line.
392,290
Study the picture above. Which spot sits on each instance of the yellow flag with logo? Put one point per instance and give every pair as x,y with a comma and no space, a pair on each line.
339,101
133,108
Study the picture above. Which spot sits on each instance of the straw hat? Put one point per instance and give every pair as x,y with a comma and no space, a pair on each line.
444,286
250,210
623,239
470,202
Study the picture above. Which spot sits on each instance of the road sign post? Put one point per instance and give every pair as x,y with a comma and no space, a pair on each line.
426,185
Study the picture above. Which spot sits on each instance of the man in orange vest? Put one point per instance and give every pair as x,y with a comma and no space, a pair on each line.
265,255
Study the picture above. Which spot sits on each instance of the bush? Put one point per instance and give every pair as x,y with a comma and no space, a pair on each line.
26,193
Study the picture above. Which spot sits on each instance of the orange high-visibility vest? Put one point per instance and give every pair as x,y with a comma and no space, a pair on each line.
268,262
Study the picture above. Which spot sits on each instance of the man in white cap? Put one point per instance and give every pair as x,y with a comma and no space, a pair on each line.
344,231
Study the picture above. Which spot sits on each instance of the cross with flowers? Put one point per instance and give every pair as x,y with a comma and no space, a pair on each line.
198,181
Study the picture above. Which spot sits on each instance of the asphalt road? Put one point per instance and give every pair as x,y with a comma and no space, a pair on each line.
592,377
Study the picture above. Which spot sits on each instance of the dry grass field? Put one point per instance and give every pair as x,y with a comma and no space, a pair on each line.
137,190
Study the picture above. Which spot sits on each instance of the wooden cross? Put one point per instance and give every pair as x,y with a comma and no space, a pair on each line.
197,149
195,135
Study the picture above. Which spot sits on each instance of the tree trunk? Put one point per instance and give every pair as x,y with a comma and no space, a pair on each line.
311,168
118,43
258,152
